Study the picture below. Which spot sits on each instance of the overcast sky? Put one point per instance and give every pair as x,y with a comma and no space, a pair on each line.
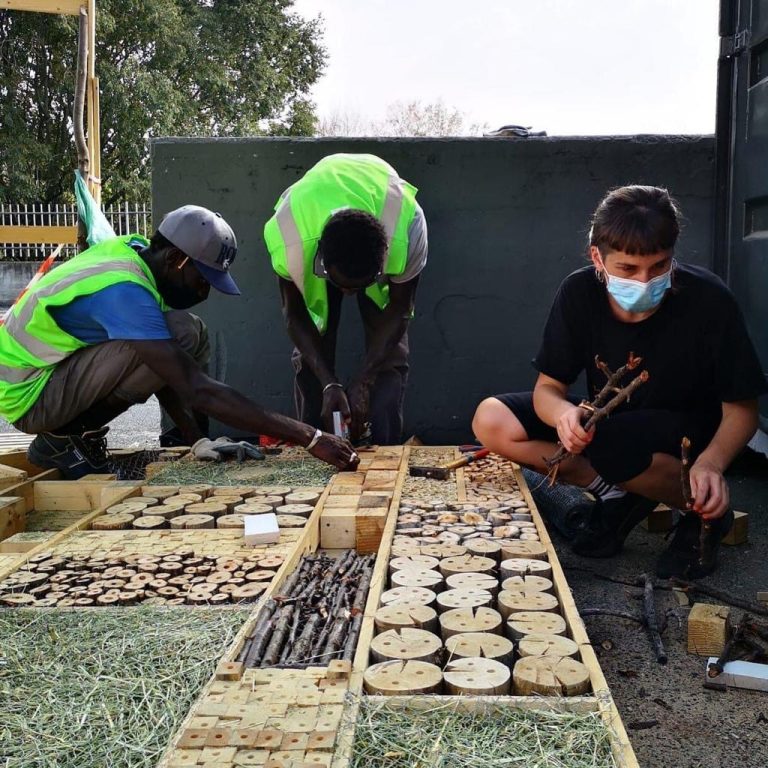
564,66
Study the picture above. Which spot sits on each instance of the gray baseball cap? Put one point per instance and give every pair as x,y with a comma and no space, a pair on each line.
207,239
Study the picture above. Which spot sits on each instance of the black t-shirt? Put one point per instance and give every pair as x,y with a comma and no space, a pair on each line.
695,347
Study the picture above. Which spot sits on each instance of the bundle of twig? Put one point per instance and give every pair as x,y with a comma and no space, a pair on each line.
610,397
317,615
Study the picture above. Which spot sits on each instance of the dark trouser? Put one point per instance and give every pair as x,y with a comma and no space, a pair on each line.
624,443
110,370
388,390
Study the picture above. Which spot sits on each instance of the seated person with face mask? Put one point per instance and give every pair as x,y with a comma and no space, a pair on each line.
704,381
107,329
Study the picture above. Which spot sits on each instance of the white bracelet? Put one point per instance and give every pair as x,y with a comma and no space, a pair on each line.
332,384
315,439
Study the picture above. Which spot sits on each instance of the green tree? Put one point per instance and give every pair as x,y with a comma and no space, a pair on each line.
166,68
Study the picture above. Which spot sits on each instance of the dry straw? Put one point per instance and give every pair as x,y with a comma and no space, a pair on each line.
87,689
445,737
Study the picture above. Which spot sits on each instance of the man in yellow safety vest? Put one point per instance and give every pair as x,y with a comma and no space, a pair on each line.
108,328
350,225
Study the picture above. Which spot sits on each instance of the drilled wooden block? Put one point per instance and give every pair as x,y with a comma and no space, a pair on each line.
229,670
708,627
269,738
192,738
218,737
659,520
293,740
184,757
218,756
339,669
203,722
317,758
251,757
243,738
739,533
321,740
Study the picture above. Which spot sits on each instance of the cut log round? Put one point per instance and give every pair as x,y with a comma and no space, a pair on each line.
484,548
18,600
168,511
231,521
523,566
476,677
305,510
547,645
443,550
397,615
193,522
530,537
230,502
534,622
302,497
528,583
244,491
466,564
273,490
259,575
506,532
469,620
550,676
248,592
270,562
485,581
406,643
150,522
212,508
290,521
463,598
521,600
201,489
249,508
270,501
133,508
395,678
160,492
413,563
116,522
523,549
413,578
185,498
408,595
480,644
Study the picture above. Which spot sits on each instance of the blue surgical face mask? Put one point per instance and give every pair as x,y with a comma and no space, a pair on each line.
637,296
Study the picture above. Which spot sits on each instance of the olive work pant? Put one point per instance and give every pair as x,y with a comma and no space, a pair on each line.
113,368
388,390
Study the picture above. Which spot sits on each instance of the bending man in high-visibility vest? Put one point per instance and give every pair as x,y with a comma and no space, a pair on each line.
350,225
107,329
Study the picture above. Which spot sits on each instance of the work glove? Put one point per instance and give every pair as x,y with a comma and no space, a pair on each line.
215,450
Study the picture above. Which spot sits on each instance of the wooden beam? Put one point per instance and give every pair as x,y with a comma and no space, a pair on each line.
12,234
68,7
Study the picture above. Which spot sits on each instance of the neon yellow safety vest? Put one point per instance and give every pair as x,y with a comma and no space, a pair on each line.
360,182
32,345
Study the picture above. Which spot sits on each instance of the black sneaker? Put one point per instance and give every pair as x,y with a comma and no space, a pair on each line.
611,522
74,455
688,556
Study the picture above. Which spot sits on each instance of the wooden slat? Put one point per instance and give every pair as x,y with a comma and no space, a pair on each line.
68,7
490,704
24,235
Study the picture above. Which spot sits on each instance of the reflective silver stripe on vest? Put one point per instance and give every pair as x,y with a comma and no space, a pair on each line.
294,247
16,325
10,375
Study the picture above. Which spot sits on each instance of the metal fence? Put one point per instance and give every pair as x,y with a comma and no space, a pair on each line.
125,218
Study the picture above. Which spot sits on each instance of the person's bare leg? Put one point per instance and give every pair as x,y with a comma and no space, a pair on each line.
497,428
660,482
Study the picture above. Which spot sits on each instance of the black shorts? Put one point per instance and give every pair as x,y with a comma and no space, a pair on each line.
625,442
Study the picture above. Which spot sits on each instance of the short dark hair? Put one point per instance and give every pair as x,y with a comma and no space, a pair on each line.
354,243
637,220
159,243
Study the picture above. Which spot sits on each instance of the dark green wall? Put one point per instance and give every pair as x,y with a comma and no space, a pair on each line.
507,221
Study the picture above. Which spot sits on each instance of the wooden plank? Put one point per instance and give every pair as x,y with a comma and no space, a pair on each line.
620,744
23,235
10,476
75,496
739,533
490,704
67,7
13,516
19,460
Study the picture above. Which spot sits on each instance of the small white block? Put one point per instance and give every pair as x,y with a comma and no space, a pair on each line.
739,674
262,529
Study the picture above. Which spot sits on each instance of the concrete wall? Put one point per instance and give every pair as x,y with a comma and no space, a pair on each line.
14,276
507,221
